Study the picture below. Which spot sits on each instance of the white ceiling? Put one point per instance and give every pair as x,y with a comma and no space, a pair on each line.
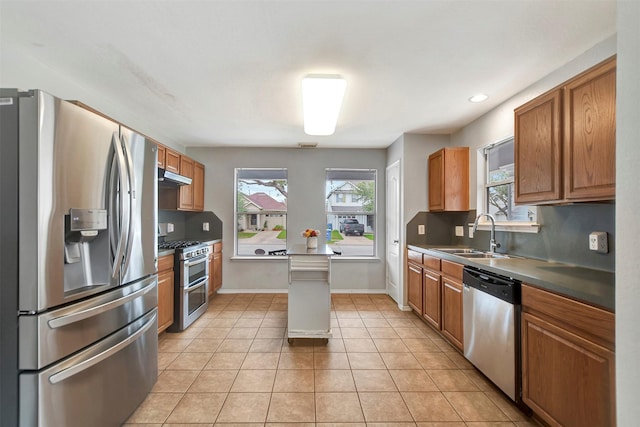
228,73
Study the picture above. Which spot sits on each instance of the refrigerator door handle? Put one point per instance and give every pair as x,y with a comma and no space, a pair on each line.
121,169
86,364
132,196
68,319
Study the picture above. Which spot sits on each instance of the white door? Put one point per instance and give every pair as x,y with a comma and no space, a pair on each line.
394,271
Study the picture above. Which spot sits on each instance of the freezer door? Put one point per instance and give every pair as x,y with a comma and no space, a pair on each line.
101,386
65,157
141,249
54,335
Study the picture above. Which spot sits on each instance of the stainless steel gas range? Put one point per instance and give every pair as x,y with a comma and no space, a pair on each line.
191,281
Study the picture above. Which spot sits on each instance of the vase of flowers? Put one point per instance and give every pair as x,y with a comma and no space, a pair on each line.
312,238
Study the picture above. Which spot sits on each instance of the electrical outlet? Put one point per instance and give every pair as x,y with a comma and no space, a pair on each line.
598,242
471,232
421,229
459,231
170,228
205,226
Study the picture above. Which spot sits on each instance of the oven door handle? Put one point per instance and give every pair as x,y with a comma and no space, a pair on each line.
196,285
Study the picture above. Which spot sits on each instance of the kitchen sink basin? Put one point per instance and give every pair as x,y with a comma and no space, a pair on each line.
472,253
458,251
481,255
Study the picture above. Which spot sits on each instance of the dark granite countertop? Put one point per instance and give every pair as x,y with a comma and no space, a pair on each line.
590,286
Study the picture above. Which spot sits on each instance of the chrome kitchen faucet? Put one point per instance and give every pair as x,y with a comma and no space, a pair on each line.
492,243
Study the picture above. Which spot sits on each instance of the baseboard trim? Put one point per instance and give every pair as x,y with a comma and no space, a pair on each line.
284,291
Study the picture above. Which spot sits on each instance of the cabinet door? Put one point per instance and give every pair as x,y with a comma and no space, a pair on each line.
566,379
431,287
165,300
217,271
161,156
198,186
538,150
185,201
452,312
414,285
172,160
436,181
449,179
590,134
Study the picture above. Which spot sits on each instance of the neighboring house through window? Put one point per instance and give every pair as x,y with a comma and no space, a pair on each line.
351,210
261,211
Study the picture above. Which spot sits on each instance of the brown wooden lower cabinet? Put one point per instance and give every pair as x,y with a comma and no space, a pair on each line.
165,292
215,267
414,287
568,360
452,322
432,298
434,290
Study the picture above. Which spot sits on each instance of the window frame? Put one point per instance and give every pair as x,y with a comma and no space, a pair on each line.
483,186
236,194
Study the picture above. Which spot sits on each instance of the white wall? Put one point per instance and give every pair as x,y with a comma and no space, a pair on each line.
417,149
306,209
19,70
499,123
627,208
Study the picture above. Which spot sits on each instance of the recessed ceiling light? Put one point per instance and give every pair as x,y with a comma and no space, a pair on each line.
479,97
321,100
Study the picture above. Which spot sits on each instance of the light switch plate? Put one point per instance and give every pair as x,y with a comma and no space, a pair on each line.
205,226
170,228
459,231
421,229
471,232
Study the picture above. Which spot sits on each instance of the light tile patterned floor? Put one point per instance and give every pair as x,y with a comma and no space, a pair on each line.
384,367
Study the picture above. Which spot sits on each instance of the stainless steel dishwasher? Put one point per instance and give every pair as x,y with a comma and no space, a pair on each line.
491,310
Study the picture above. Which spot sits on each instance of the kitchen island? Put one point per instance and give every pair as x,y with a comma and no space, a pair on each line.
309,294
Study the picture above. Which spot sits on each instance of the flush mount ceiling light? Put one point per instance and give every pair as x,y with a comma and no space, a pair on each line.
321,101
478,97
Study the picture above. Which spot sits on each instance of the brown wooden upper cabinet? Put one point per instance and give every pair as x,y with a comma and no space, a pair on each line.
172,161
186,197
198,186
449,179
162,152
185,200
565,140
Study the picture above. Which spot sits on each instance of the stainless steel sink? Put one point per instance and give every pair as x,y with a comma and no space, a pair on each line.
481,255
457,251
472,253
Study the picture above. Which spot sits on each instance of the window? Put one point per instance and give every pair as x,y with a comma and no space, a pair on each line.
499,190
261,211
351,211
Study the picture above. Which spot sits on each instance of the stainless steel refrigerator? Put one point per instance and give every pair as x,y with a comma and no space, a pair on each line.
78,264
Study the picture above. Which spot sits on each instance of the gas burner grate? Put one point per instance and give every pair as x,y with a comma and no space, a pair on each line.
178,244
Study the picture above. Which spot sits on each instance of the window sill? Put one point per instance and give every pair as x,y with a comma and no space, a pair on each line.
512,227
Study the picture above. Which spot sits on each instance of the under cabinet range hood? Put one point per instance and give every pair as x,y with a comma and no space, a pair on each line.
169,178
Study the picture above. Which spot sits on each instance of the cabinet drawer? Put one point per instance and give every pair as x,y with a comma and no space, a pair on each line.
414,256
217,247
592,322
165,263
431,262
452,269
